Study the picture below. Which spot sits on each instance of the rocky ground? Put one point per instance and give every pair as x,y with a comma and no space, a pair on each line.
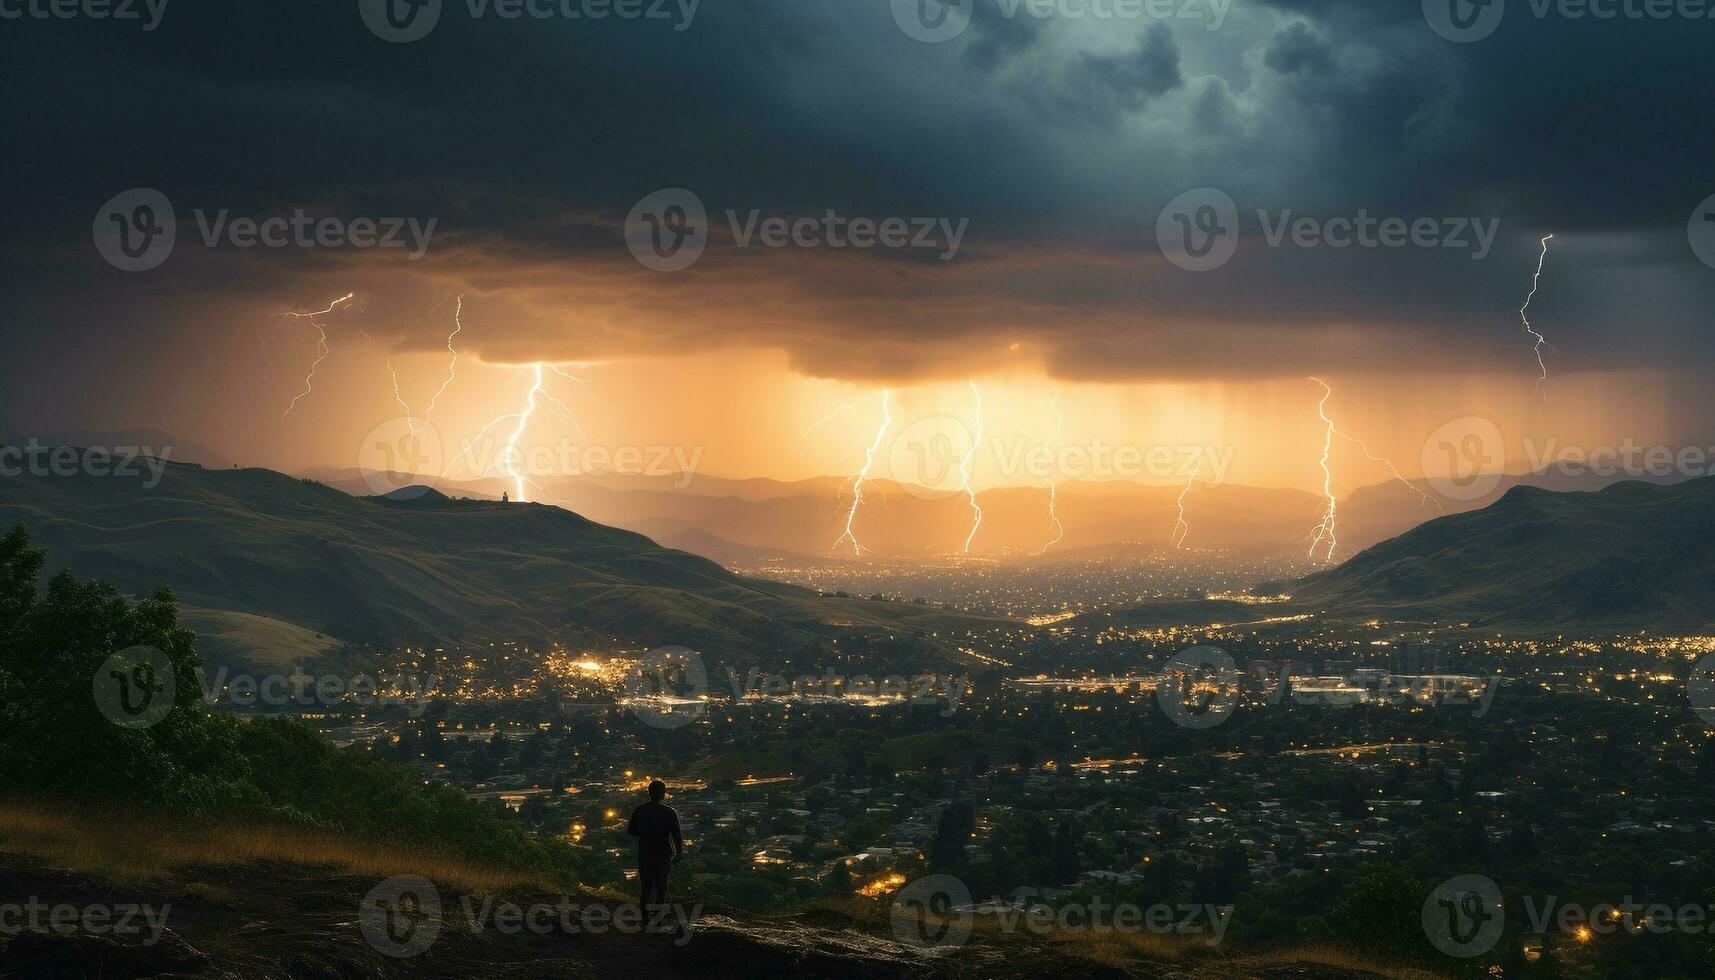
266,921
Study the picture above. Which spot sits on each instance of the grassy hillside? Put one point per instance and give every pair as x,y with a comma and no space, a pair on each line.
1633,555
297,559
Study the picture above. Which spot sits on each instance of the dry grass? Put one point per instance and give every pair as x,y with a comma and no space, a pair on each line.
1125,948
130,846
1119,948
1339,959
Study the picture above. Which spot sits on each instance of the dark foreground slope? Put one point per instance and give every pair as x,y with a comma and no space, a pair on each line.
1631,556
259,548
278,921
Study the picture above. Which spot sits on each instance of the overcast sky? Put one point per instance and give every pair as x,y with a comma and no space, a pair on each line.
1051,143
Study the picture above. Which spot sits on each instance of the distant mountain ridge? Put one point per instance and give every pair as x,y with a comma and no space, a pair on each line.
1631,556
257,546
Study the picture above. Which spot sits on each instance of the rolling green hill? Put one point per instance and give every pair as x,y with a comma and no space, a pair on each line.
1631,556
276,564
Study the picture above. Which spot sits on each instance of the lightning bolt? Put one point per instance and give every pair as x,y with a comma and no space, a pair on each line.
574,379
1421,496
564,410
1523,315
322,348
863,474
410,423
1053,483
824,420
267,360
1181,529
452,365
507,456
506,462
1326,528
965,468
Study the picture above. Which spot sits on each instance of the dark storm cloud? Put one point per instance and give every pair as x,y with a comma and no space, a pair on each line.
1297,48
1105,87
1060,139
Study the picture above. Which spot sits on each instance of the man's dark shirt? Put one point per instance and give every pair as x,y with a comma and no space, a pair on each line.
656,828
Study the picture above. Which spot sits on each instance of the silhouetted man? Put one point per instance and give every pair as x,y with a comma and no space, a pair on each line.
659,845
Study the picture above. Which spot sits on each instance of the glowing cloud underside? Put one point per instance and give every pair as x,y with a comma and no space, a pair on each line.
1524,317
863,474
1054,482
965,468
1180,527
